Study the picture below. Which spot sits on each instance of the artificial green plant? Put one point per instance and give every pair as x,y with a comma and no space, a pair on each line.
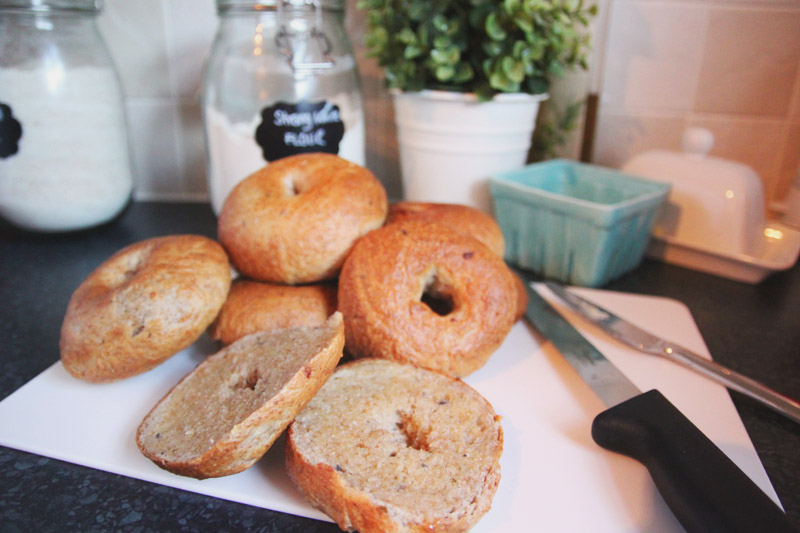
477,46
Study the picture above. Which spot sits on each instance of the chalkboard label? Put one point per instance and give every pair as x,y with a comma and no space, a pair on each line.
10,132
288,129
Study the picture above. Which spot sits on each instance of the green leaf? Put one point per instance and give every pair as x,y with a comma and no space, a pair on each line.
520,50
413,51
407,36
447,56
440,23
492,48
418,11
512,6
538,85
442,41
500,82
445,72
493,28
524,22
376,38
513,69
463,73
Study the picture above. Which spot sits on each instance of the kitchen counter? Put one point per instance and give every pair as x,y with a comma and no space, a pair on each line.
754,329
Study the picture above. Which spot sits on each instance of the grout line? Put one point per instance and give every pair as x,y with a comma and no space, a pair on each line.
649,112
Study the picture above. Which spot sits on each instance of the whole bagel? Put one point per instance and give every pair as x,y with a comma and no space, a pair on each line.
295,220
254,306
425,294
462,218
145,303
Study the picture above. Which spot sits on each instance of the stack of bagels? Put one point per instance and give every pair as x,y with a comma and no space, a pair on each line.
417,294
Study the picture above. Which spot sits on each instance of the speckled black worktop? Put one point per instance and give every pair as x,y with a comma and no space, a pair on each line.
754,329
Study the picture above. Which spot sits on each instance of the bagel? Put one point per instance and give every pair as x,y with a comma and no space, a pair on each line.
388,447
226,413
462,218
254,306
426,294
295,220
145,303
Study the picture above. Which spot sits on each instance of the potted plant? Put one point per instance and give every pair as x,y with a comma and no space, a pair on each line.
467,77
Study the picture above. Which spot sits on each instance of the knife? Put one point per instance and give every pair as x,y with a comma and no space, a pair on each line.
646,342
704,489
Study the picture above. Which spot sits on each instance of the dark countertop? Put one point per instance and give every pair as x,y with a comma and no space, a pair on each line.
754,329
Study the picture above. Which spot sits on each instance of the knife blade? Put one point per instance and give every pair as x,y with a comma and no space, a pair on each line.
703,487
644,341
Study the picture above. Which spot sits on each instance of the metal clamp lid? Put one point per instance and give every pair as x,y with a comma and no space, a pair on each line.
44,6
266,5
284,39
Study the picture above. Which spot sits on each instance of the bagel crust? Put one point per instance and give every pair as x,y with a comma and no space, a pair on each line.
389,447
145,303
295,220
462,218
254,306
425,294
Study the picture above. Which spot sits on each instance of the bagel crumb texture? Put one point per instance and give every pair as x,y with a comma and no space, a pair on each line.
386,446
225,414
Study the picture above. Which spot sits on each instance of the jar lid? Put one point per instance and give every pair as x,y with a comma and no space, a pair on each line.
714,204
226,5
93,6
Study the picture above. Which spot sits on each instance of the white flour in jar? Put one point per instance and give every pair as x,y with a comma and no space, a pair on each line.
234,154
72,169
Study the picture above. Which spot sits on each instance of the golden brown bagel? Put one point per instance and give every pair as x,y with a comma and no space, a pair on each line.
145,303
295,220
428,295
462,218
254,306
387,447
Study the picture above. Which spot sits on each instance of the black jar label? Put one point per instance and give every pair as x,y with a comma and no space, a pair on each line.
288,129
10,132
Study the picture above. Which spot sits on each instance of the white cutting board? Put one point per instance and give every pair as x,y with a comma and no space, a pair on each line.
554,477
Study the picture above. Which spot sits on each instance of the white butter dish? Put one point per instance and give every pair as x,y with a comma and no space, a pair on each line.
714,218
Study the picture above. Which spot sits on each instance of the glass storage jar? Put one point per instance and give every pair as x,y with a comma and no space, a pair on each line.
64,161
281,79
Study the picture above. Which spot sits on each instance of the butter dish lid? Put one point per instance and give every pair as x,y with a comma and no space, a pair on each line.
714,204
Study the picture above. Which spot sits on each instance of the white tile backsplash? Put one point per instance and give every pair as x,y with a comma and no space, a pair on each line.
190,29
653,54
730,65
154,149
136,37
664,63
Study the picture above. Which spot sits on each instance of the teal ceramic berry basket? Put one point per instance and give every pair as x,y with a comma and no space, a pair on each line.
574,222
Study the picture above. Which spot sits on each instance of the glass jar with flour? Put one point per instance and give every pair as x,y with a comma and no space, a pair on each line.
64,161
281,79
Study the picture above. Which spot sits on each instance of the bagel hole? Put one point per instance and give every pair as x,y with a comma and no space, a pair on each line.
293,186
416,436
247,381
132,265
437,295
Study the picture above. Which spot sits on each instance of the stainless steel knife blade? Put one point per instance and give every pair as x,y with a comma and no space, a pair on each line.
704,488
611,385
644,341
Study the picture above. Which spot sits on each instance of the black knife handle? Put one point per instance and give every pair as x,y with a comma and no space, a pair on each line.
702,486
